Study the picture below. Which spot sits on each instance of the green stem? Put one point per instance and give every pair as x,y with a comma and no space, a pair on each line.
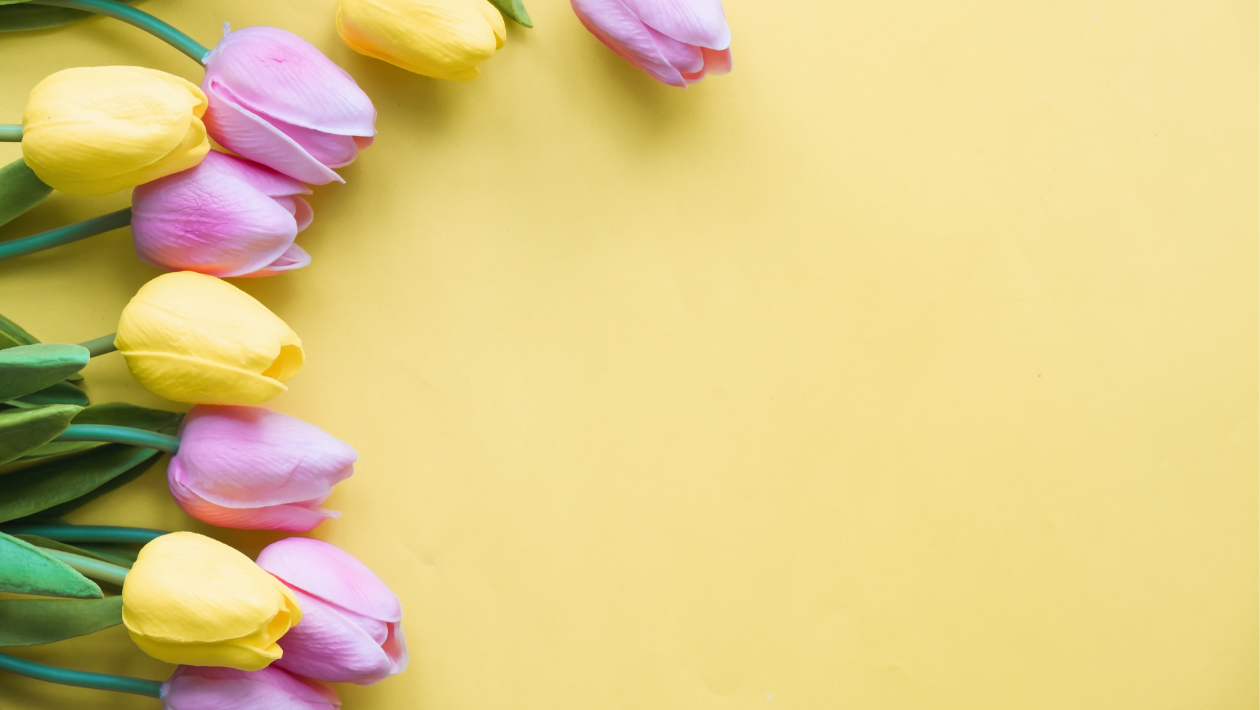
10,133
65,235
88,533
101,345
120,435
143,20
82,679
89,567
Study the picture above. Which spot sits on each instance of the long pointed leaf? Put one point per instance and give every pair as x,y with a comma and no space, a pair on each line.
43,486
112,484
47,544
30,368
59,393
24,430
13,335
113,414
26,570
30,622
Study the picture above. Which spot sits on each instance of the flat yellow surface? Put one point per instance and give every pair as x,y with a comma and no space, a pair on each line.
912,365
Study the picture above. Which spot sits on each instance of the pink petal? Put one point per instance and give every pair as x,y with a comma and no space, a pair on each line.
322,569
395,647
683,57
717,61
264,179
299,208
698,22
302,516
295,258
243,132
331,149
212,688
328,645
277,73
621,30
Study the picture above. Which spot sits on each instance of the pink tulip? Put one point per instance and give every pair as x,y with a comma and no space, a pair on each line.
350,630
209,688
277,100
256,469
225,217
677,42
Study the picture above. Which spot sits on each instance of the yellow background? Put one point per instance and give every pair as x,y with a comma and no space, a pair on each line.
912,365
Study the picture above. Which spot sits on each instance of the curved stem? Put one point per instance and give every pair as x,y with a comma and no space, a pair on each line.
88,533
143,20
101,345
82,679
89,567
120,435
10,133
65,235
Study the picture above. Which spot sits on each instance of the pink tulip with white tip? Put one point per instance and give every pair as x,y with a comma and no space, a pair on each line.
677,42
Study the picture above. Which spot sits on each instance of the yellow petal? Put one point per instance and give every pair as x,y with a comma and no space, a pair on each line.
181,378
492,15
445,39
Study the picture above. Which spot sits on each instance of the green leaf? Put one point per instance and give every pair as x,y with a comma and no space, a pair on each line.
59,393
26,570
118,554
64,484
30,368
114,414
24,430
30,622
20,190
47,544
112,484
18,17
12,335
515,10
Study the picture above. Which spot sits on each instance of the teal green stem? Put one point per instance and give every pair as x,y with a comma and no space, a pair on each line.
143,20
82,679
89,567
120,435
65,235
88,533
10,133
101,345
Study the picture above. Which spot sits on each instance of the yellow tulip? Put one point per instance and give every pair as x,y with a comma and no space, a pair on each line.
445,39
189,337
192,600
96,130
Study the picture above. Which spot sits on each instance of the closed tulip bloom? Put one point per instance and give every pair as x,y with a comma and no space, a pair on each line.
96,130
189,337
256,469
445,39
192,600
351,630
225,217
277,100
677,42
209,688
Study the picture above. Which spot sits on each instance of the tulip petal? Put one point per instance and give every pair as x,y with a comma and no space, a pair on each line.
324,570
495,18
613,23
303,516
685,58
395,647
303,215
243,132
262,178
181,378
331,647
445,39
698,22
717,61
328,148
272,688
295,258
276,73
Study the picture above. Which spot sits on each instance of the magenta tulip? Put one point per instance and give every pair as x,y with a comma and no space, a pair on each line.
351,629
677,42
277,100
256,469
210,688
225,217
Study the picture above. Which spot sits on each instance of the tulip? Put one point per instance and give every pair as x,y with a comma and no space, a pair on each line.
277,100
676,42
256,469
444,39
208,688
189,337
96,130
351,630
225,217
192,600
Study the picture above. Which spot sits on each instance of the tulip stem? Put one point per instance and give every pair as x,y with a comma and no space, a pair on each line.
143,20
89,567
82,679
120,435
10,133
101,345
88,533
65,235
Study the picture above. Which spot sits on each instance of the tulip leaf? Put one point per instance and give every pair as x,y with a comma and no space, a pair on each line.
30,622
515,10
120,555
26,570
13,335
64,484
47,544
114,414
24,430
20,190
30,368
59,393
16,16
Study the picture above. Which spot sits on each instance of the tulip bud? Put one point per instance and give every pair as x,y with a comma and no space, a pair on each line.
225,217
444,39
676,42
277,100
189,337
256,469
193,600
351,630
209,688
96,130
